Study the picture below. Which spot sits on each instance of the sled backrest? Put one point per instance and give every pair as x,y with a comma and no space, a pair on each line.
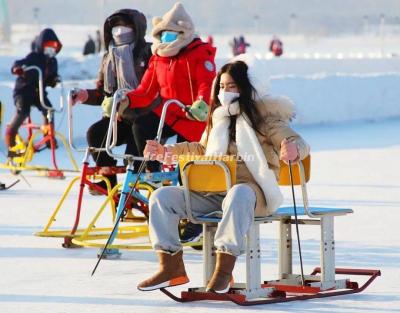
208,174
302,166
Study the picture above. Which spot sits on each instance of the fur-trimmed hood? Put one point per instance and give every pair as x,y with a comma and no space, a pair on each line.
279,107
176,20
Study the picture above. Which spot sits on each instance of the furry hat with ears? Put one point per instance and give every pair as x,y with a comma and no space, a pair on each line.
176,20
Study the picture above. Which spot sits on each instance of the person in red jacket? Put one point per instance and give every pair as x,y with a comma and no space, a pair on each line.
182,67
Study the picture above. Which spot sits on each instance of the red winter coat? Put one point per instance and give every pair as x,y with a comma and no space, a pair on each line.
187,77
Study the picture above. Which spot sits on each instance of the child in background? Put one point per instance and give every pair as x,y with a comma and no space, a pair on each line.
26,90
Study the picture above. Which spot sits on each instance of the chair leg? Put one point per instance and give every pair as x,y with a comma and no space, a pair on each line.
327,249
209,256
285,248
253,258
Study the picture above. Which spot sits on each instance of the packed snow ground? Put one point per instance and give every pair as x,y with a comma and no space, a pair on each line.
352,166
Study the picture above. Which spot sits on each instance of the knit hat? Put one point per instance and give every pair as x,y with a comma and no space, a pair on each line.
176,20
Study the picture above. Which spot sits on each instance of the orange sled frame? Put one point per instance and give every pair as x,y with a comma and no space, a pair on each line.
277,293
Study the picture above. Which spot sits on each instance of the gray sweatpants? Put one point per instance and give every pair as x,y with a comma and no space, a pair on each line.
167,207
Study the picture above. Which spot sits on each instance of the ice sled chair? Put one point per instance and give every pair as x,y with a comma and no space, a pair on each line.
89,174
20,156
322,282
133,196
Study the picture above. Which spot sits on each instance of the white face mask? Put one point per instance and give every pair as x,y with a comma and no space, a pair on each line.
49,51
226,97
119,30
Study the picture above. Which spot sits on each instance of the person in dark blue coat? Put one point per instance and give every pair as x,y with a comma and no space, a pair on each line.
26,91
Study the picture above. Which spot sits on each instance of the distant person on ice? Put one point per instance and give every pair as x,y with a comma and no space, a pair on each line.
90,46
99,42
26,91
276,46
241,45
240,124
234,44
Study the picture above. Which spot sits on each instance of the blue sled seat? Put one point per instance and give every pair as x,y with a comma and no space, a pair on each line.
215,217
289,211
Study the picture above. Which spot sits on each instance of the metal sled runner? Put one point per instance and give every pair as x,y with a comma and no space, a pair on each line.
323,281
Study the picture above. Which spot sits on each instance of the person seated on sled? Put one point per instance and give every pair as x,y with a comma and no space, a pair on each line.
254,130
26,91
123,65
182,67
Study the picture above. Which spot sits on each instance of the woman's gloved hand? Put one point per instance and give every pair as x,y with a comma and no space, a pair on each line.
289,151
79,96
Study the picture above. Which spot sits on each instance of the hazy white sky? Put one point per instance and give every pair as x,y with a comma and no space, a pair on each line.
211,16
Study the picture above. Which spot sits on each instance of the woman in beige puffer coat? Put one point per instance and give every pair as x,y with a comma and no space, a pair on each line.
257,133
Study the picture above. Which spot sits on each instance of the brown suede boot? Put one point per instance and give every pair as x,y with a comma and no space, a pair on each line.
222,278
172,272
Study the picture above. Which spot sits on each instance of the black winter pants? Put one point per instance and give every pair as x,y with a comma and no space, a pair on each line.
133,135
96,137
23,110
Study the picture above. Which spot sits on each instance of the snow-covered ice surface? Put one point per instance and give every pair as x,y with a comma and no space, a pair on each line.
353,166
347,109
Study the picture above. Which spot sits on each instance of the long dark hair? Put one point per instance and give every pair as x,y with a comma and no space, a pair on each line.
247,104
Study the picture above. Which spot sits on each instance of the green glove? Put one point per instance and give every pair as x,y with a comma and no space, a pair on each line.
106,105
199,110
